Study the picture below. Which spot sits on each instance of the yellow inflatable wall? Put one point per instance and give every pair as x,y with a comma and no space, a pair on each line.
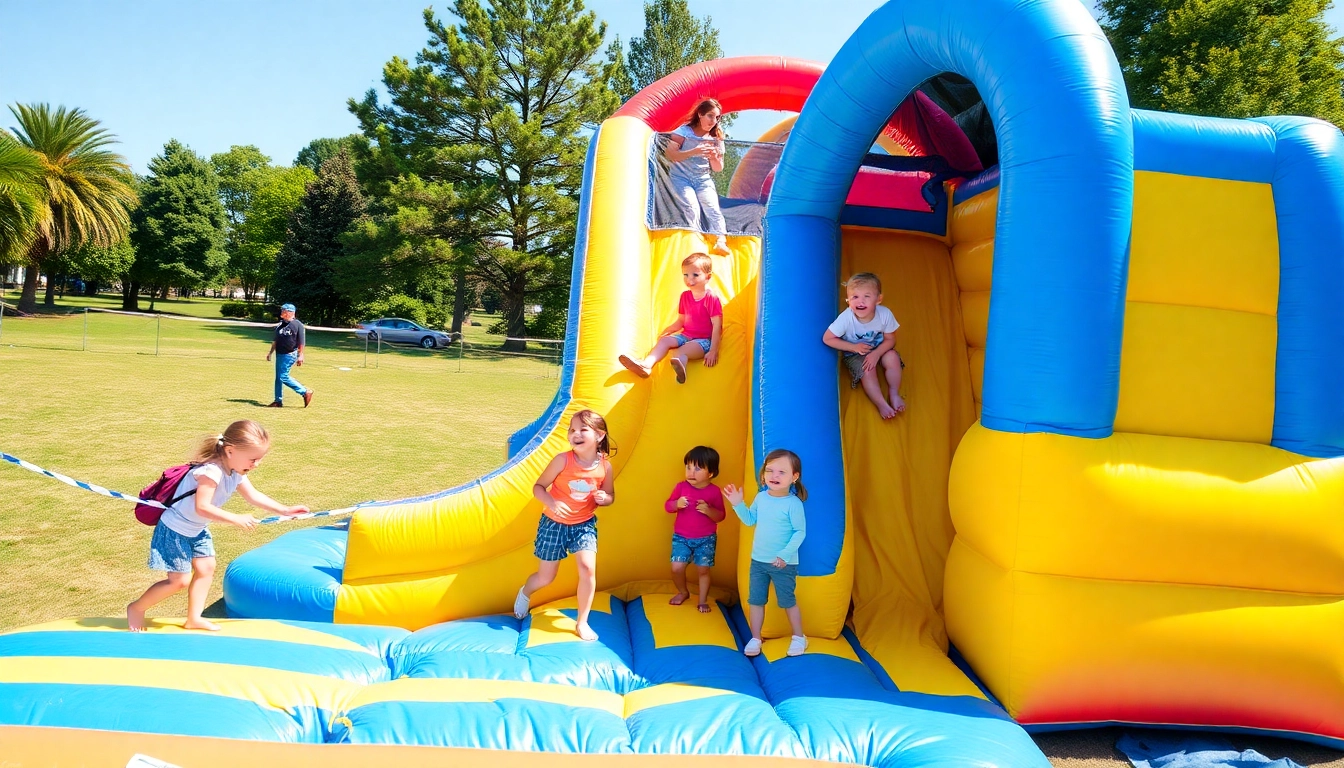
467,554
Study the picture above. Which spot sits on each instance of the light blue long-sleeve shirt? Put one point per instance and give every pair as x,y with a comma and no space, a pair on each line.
780,526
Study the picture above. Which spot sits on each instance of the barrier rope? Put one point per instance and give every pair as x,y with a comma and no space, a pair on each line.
101,491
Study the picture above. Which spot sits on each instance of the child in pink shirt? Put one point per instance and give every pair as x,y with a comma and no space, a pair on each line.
698,505
696,332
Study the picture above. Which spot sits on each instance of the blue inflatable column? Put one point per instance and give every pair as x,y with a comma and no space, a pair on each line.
1061,115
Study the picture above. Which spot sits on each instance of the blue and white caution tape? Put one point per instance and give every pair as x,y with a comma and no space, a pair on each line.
98,489
101,491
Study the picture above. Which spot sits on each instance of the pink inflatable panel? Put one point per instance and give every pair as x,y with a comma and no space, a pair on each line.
879,188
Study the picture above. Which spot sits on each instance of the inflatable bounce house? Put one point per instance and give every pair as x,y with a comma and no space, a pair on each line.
1116,496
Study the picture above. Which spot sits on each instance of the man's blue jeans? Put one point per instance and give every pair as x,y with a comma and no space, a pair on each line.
282,378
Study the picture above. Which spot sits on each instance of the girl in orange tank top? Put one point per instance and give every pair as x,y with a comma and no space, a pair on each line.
576,486
570,489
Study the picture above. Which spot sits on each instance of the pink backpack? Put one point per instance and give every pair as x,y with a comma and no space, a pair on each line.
162,491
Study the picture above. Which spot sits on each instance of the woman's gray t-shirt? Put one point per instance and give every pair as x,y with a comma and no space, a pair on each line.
692,168
181,517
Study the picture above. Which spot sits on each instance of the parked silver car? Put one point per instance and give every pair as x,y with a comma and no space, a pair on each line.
395,330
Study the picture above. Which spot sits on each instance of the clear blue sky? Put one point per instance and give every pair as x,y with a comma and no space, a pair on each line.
277,73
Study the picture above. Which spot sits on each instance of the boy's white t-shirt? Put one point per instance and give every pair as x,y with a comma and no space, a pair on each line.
848,327
181,517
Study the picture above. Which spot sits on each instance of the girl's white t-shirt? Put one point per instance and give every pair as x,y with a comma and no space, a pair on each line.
181,517
848,327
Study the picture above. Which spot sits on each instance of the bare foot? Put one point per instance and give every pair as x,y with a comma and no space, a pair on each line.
898,404
634,366
703,607
209,626
885,411
721,247
585,632
135,618
679,366
679,598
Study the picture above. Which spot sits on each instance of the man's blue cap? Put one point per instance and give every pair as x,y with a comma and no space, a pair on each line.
287,308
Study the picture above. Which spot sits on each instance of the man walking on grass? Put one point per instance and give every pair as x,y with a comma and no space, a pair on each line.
288,349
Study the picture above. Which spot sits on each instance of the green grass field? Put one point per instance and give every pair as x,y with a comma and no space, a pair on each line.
412,422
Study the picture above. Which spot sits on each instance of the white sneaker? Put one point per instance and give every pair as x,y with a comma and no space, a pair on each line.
521,604
753,647
797,645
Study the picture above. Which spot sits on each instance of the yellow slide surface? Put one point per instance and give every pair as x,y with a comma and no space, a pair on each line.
466,554
896,471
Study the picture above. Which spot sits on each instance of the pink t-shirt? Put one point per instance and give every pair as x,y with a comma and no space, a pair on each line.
691,523
695,315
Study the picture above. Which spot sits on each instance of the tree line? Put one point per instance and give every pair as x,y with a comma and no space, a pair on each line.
461,187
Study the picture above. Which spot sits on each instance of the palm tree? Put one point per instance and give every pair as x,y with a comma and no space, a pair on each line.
20,198
87,188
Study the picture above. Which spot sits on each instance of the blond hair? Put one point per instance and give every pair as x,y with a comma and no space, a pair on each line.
700,261
864,278
239,434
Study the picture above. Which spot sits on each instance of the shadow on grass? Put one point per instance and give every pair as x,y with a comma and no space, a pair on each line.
246,401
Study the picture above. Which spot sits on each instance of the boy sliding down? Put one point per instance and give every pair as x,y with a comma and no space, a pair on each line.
698,327
865,333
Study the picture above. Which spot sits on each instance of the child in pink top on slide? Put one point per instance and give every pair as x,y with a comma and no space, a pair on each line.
696,332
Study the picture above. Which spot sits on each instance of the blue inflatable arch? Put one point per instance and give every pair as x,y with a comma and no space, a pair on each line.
1062,119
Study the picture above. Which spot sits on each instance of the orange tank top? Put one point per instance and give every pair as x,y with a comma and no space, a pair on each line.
574,486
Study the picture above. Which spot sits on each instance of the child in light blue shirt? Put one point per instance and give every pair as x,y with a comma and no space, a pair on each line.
780,529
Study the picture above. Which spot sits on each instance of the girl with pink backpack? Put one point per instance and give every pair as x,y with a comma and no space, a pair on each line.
181,545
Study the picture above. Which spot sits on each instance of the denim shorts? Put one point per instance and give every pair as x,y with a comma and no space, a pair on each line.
171,551
762,575
699,550
683,340
854,362
556,541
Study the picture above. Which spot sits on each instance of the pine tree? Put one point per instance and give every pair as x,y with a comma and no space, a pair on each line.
320,151
179,227
619,80
305,266
673,39
485,132
1228,58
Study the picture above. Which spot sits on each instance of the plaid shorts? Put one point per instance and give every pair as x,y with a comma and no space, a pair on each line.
556,541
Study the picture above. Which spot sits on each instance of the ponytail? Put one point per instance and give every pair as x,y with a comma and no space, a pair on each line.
245,432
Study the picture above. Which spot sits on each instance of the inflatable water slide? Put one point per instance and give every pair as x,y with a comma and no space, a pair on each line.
1116,496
